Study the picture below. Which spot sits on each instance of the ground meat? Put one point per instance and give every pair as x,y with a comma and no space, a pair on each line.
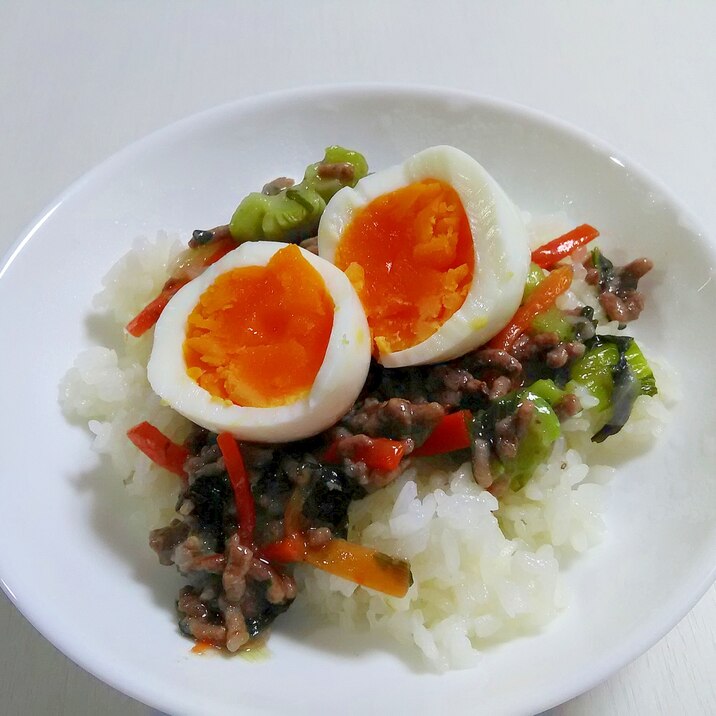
450,385
500,387
166,539
544,355
510,430
481,462
619,295
208,461
277,186
238,562
343,171
198,619
348,446
310,244
567,407
622,309
237,634
195,554
318,536
467,382
396,418
529,347
494,359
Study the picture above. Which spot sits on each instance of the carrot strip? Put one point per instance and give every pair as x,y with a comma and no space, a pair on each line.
159,448
549,254
362,565
542,298
149,315
450,434
239,479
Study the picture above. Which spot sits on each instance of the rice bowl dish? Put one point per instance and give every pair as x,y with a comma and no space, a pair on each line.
484,567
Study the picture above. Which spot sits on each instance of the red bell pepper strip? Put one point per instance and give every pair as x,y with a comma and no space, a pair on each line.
549,254
149,315
196,261
286,550
239,479
159,448
450,434
541,299
382,454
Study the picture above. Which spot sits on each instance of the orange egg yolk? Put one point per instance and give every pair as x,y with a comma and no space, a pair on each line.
258,335
409,254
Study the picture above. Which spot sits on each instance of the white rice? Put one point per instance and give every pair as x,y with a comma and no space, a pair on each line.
484,571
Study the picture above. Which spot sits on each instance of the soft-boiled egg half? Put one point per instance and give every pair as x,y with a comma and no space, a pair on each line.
436,251
270,343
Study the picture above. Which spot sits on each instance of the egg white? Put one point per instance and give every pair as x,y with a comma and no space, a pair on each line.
500,239
337,384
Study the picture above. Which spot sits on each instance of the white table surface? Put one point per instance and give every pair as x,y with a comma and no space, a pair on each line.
79,80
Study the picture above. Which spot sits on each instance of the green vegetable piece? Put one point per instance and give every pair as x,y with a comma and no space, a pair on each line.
637,362
536,445
547,390
246,223
534,278
594,370
554,321
293,214
328,186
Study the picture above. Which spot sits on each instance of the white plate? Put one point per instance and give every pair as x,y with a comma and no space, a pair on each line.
74,567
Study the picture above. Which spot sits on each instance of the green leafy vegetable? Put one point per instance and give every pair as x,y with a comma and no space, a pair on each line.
616,372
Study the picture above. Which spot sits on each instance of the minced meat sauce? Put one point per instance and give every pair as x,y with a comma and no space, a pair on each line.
233,594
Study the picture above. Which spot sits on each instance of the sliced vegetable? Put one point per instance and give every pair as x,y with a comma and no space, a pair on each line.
533,447
534,278
624,394
540,300
325,182
294,212
190,264
605,268
239,479
286,551
548,255
149,315
451,433
354,562
159,448
547,390
362,565
379,454
594,369
616,372
553,321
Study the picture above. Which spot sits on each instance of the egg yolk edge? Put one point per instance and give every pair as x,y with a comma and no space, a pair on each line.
257,337
410,256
